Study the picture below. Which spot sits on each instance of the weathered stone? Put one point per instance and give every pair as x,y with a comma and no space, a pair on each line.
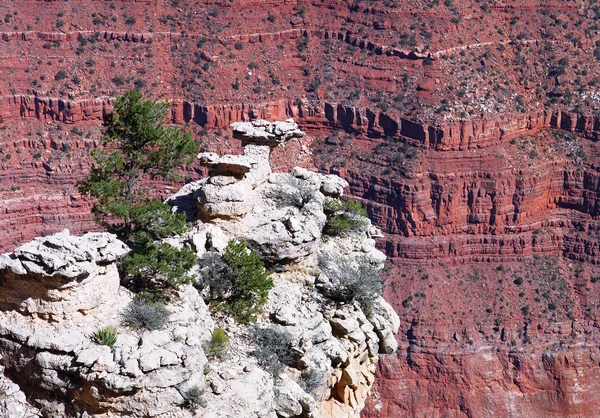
61,275
91,355
331,351
13,402
48,360
285,316
150,361
217,239
132,368
343,326
154,338
232,165
333,186
263,132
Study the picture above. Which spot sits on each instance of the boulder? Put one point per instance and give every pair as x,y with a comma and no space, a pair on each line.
266,133
61,276
233,165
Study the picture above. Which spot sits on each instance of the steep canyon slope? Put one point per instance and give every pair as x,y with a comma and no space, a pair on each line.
468,128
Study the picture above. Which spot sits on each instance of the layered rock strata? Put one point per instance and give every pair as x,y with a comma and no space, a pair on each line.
475,133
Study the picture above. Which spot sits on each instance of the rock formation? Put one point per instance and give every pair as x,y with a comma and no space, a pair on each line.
37,276
13,402
230,189
461,80
59,290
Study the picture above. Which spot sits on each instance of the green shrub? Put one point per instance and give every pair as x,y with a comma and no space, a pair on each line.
302,44
238,283
349,283
218,345
145,313
140,143
194,398
272,348
106,336
216,276
343,217
61,75
354,208
156,219
154,265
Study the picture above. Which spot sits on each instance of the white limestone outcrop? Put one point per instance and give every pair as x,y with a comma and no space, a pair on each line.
60,276
55,292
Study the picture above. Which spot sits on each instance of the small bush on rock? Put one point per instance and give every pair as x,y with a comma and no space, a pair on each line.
218,345
151,266
195,398
238,283
349,283
106,336
145,313
343,217
273,348
216,276
311,379
293,192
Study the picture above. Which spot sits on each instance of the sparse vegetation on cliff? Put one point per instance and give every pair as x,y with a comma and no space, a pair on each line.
360,282
145,313
237,282
293,192
218,345
272,348
343,216
106,336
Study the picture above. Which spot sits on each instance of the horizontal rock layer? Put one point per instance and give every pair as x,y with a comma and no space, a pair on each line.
471,134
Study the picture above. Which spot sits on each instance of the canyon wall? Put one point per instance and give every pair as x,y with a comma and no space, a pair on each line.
453,136
492,230
486,204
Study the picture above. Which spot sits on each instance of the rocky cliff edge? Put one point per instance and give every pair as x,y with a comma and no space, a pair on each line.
57,291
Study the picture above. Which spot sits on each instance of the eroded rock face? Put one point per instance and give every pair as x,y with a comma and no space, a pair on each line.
332,346
13,402
278,214
230,190
145,374
60,276
266,133
336,346
57,291
408,380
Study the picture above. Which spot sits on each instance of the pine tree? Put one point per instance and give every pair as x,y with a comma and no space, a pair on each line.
139,144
